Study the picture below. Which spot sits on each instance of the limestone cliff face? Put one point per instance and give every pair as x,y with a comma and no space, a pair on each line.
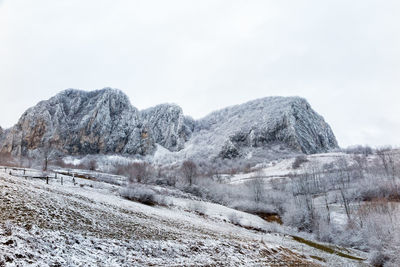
104,121
79,122
168,126
286,120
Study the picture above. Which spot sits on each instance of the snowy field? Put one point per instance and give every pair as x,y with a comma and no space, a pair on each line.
283,168
87,223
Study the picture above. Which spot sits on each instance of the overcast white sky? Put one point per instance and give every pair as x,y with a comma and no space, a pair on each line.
343,56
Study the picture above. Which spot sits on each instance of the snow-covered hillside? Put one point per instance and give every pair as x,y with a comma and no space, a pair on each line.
88,223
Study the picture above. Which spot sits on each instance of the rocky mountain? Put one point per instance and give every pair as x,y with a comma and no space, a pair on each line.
168,126
289,121
79,122
104,121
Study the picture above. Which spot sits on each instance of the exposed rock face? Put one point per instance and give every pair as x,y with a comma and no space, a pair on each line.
168,126
79,122
104,121
258,123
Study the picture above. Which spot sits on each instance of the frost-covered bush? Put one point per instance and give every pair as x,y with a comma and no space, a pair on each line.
196,190
299,215
197,207
257,188
378,258
383,190
143,194
140,194
234,218
379,224
359,149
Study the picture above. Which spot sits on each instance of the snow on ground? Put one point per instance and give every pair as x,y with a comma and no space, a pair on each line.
89,224
283,168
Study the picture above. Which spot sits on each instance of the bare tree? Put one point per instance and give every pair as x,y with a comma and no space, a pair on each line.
47,153
256,186
387,159
92,165
346,202
361,164
344,172
189,171
139,172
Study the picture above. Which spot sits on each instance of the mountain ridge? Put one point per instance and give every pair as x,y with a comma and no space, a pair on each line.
78,122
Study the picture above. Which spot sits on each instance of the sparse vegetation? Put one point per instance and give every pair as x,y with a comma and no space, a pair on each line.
325,248
140,194
298,161
365,186
189,171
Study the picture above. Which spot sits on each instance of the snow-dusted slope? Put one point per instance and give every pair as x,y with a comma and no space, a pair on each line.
89,224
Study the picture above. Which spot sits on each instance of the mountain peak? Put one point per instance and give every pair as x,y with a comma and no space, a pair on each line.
81,122
259,123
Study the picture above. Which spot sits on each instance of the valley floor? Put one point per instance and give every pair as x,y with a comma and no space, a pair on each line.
89,224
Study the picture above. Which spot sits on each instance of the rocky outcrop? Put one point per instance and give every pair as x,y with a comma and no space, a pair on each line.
289,121
104,121
168,126
79,122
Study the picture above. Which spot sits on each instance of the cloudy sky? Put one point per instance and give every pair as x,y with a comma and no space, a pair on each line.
343,56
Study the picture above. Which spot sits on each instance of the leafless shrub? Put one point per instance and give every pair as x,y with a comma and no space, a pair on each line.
383,190
300,213
234,218
144,195
139,194
378,258
140,172
135,172
197,207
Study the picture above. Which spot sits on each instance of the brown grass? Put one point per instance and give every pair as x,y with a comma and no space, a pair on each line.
325,248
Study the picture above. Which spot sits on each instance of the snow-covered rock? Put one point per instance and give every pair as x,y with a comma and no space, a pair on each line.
104,121
262,122
169,127
80,122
